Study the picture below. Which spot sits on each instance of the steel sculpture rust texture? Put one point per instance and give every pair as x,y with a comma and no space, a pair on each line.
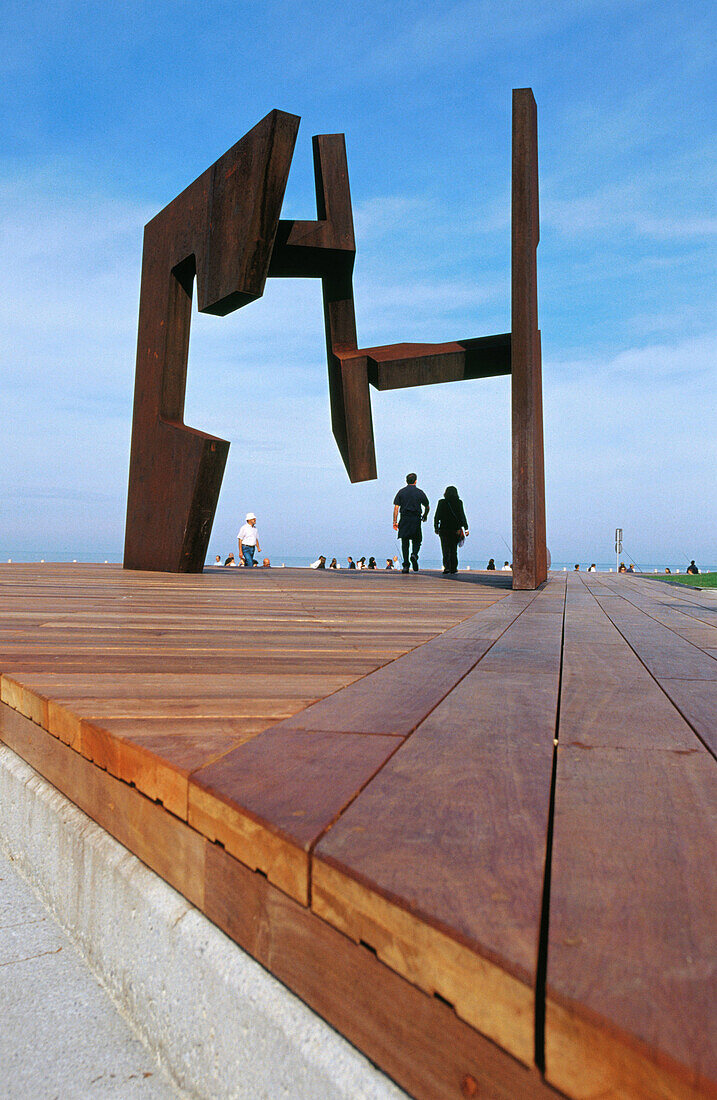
225,229
221,229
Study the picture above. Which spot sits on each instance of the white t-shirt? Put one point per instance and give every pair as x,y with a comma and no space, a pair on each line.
248,535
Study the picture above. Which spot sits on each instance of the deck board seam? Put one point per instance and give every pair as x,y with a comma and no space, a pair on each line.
541,970
401,741
372,733
656,680
659,622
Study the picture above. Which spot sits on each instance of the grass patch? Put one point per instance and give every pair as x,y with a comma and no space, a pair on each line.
701,580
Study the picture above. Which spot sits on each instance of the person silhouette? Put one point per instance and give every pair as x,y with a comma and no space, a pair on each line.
451,526
412,503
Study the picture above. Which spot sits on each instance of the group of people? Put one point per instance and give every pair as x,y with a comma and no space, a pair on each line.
622,568
360,563
411,508
410,511
242,563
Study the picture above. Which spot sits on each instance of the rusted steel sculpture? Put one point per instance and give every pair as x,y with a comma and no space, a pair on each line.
221,229
225,228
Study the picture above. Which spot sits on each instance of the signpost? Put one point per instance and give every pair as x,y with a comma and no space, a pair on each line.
618,548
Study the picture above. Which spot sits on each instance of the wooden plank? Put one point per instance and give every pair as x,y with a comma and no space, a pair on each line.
689,601
65,719
142,631
398,696
606,690
664,653
608,710
131,661
157,756
415,1038
237,801
630,988
170,685
631,991
177,854
268,800
696,700
439,863
661,606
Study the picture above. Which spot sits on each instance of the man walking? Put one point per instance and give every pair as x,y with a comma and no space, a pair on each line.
249,541
414,508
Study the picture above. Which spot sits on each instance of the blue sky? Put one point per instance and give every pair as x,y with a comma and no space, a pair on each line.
111,108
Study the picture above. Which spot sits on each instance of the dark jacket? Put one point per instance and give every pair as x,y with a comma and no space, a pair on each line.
413,504
449,517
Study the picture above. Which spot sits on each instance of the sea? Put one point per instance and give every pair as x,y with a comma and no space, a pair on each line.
427,561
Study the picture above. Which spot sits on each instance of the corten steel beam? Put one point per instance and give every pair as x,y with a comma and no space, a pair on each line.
221,229
325,249
530,567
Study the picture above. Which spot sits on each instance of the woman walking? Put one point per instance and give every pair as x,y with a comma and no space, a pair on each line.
451,525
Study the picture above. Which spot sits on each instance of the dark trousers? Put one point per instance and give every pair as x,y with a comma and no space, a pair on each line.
449,546
414,542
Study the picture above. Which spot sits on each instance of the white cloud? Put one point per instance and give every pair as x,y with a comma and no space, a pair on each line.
650,196
630,442
68,326
689,362
623,207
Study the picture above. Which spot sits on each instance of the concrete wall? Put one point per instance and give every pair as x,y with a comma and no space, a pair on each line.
219,1023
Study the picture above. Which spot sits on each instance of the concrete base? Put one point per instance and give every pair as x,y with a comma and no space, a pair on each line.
219,1024
61,1035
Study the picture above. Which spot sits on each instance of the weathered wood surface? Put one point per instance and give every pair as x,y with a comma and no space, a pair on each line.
387,760
437,1057
270,801
679,651
153,676
631,992
414,1037
439,863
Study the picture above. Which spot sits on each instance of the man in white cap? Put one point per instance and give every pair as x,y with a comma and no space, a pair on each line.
249,541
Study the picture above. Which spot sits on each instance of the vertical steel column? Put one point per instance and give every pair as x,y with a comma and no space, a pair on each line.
529,546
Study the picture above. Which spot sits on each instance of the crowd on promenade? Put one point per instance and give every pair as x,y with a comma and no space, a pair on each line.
691,569
411,508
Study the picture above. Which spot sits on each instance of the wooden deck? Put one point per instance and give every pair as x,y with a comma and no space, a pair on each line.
473,828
